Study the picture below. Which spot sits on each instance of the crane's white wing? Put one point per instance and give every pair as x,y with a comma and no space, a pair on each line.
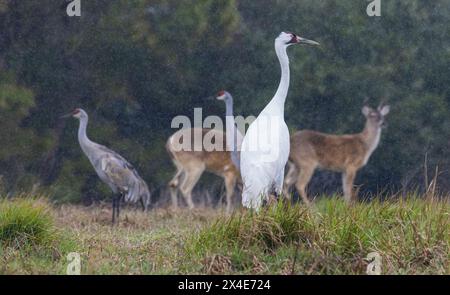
265,150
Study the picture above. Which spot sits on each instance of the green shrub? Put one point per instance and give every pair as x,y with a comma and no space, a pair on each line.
269,229
26,222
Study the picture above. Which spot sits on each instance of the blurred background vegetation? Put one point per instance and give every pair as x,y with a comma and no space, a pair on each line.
134,65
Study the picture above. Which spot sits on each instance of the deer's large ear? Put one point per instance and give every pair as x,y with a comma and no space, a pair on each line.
365,110
385,110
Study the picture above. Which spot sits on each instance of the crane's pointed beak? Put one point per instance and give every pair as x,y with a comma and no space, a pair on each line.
66,116
307,42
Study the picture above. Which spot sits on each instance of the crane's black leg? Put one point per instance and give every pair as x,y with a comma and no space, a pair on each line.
277,196
113,210
118,205
142,204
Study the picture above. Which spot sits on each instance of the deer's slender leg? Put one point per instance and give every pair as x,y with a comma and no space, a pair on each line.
306,172
174,196
290,179
347,182
230,183
174,182
191,178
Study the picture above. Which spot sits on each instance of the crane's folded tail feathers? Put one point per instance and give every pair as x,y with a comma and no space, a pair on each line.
255,186
253,196
252,202
138,190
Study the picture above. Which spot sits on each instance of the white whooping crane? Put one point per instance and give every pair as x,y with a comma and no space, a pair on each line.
265,149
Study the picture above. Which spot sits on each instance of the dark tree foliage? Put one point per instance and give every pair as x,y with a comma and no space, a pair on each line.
134,65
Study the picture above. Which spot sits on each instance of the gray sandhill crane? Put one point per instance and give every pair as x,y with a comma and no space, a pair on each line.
112,169
191,164
233,135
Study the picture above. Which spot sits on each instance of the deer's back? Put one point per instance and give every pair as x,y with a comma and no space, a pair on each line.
329,151
216,161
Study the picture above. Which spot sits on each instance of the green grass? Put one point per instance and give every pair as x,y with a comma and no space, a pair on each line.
28,233
24,223
412,236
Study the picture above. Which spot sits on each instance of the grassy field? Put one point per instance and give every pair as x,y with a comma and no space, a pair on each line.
412,236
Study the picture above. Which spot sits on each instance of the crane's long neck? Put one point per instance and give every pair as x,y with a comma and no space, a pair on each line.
232,132
230,126
280,96
229,106
84,141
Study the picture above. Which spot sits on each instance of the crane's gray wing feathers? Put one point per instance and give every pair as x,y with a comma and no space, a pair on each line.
121,173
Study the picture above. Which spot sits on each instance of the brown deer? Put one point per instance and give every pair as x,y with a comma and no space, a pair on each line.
342,153
191,164
220,157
